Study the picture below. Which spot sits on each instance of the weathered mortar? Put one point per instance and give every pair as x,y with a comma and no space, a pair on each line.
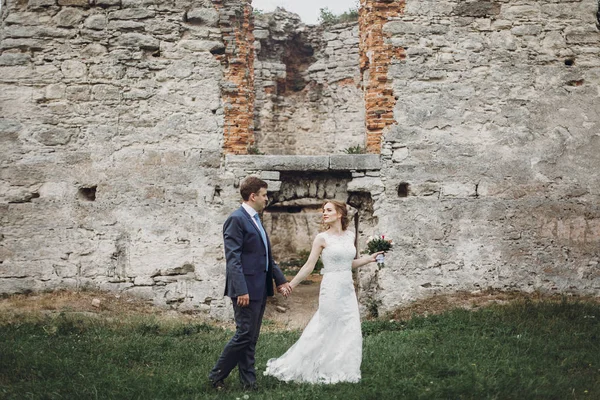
115,120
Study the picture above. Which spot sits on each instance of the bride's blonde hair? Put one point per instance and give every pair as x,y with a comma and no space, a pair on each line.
341,208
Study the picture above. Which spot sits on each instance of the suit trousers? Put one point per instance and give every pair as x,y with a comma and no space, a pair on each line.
242,346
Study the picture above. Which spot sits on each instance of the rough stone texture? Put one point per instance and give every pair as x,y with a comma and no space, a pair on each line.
111,144
497,137
119,122
308,97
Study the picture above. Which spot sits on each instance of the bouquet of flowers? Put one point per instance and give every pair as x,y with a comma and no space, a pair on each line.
379,243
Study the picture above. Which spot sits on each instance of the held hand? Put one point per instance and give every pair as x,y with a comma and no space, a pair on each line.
285,289
243,300
373,257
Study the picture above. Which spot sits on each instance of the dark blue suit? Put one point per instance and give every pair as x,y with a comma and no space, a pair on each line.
246,273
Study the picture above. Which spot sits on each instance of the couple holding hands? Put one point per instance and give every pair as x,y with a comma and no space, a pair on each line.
330,347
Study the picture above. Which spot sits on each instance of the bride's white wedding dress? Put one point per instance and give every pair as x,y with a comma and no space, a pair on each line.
330,348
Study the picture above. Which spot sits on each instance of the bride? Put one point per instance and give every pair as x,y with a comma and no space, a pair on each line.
330,348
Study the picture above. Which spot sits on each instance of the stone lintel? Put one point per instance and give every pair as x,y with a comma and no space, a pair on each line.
358,162
341,162
277,162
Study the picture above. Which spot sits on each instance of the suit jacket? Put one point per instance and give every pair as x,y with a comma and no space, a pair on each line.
245,256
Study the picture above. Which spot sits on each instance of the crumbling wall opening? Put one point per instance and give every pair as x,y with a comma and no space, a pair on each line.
297,54
294,215
297,58
303,193
87,193
306,87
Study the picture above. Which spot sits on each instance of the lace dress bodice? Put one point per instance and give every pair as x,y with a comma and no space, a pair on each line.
338,253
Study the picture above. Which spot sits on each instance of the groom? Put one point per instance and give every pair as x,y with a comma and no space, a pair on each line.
249,273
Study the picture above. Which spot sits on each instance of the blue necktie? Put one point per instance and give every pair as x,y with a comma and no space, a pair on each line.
264,238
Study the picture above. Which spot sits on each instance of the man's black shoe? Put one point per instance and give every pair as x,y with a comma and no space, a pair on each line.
250,387
218,385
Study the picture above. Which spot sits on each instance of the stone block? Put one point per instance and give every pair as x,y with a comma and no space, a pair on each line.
366,184
132,13
78,93
108,3
526,30
513,12
96,21
9,127
54,190
138,40
347,162
404,28
274,186
74,3
270,175
126,25
261,34
93,50
24,44
201,45
73,69
68,17
41,3
277,163
205,16
10,59
477,9
143,281
22,18
105,92
15,72
458,190
141,3
55,91
53,135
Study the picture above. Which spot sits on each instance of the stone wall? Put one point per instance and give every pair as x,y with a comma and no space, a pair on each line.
111,127
498,144
118,121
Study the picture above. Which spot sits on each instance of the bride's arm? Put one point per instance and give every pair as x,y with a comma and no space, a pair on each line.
309,266
364,260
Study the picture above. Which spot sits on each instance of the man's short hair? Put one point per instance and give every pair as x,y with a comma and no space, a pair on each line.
251,184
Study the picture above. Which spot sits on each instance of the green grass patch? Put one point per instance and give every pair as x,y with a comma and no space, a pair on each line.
525,350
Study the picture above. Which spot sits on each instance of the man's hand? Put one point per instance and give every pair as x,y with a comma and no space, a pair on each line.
243,300
285,289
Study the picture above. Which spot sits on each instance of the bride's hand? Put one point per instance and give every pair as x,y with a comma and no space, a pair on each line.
285,289
373,257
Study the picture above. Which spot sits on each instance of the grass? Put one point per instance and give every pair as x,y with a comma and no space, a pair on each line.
522,350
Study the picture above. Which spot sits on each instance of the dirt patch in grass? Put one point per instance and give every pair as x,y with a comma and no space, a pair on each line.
281,313
474,300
